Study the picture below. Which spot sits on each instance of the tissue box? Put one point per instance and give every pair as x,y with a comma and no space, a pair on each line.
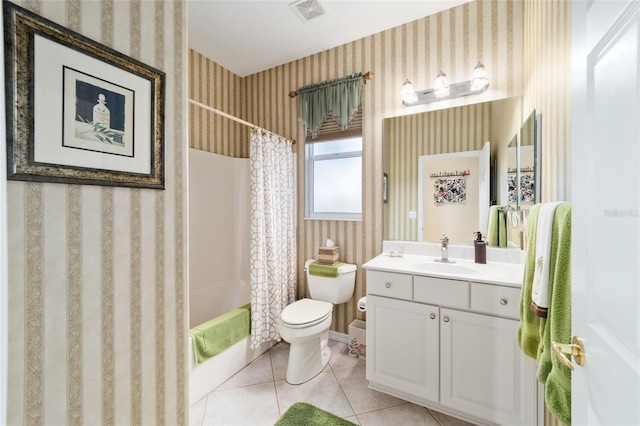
358,339
328,255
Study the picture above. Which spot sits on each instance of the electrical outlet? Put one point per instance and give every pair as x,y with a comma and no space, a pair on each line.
413,215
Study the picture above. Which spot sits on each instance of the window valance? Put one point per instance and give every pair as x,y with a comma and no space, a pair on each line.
340,98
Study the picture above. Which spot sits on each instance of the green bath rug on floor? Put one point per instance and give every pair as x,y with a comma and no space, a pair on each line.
303,414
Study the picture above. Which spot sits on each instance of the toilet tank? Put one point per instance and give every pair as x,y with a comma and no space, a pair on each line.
334,290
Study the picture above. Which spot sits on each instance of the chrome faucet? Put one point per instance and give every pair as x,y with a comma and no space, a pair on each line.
444,250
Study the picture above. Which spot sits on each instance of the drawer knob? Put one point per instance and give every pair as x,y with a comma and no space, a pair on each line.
387,285
432,316
445,319
503,301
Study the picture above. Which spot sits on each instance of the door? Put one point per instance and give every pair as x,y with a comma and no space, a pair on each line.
403,347
606,211
482,369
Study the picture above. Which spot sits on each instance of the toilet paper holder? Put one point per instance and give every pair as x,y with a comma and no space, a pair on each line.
362,304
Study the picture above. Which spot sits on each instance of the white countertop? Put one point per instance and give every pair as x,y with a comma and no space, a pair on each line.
510,274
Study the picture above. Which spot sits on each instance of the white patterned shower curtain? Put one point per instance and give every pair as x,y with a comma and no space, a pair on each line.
273,246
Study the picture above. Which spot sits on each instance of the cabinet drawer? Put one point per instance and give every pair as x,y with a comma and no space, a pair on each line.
497,300
389,284
443,292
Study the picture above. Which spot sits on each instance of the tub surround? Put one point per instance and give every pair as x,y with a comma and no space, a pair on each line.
447,340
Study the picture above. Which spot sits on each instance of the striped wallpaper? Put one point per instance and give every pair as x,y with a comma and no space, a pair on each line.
213,85
453,40
547,89
97,285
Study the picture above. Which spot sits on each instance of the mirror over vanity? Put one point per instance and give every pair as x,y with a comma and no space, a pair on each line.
445,168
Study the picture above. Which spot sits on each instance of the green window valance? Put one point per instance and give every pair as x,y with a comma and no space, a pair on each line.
340,98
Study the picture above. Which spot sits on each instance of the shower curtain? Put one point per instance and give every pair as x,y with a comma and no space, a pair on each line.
273,255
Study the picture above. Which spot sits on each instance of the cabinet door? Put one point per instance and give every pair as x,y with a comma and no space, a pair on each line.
483,371
403,346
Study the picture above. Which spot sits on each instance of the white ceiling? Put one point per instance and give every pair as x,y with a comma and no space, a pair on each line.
247,37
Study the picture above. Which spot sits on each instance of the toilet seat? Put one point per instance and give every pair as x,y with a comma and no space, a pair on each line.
305,313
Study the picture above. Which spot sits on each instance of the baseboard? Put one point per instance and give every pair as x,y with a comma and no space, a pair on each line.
339,337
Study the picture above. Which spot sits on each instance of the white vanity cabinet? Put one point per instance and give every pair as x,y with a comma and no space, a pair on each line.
450,345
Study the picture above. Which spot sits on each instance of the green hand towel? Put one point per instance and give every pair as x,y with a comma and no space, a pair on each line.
557,326
220,333
492,227
529,329
328,271
502,228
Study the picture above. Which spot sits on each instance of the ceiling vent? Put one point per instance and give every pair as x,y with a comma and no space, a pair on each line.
307,10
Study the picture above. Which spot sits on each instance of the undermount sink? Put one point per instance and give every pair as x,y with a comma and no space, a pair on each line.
445,268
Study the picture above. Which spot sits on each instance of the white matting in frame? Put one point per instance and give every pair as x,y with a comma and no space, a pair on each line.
57,65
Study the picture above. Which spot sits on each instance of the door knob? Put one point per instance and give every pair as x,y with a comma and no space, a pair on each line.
575,349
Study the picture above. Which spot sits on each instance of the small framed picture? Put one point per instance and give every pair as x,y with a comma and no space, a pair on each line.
78,111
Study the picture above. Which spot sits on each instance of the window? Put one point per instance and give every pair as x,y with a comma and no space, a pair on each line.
334,179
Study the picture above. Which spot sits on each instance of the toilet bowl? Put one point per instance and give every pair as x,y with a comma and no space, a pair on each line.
304,324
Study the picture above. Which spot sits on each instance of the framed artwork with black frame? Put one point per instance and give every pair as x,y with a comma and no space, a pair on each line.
77,111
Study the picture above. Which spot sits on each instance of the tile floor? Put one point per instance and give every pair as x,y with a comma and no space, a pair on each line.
259,395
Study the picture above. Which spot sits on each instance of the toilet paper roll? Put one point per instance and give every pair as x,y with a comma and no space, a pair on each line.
362,304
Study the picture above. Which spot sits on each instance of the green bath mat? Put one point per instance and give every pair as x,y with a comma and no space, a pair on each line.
303,414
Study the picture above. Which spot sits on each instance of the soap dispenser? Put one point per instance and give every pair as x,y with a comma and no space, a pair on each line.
480,247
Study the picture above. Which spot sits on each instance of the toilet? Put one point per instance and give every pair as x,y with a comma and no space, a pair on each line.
304,324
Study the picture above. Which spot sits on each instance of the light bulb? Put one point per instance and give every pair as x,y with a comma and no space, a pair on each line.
441,87
479,80
408,93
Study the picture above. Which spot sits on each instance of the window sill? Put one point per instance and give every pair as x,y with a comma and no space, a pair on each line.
335,218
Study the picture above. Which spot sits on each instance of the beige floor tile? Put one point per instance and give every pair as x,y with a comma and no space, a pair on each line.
356,388
323,391
340,357
353,419
279,357
254,405
446,420
405,414
196,412
259,371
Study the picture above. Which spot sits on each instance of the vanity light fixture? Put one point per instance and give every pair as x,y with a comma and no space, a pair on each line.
443,90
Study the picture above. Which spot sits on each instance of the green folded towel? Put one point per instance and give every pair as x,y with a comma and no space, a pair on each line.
327,271
529,329
502,228
557,326
214,336
497,227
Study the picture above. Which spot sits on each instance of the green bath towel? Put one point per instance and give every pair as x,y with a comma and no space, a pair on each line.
214,336
328,271
557,326
529,329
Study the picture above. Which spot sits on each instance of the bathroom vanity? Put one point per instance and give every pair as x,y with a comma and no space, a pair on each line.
444,336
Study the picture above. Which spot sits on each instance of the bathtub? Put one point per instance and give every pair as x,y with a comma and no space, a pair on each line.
205,305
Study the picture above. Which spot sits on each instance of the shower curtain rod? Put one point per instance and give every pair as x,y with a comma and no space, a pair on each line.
232,117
